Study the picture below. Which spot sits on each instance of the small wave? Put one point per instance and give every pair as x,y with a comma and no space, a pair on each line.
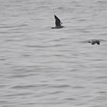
30,86
19,94
69,99
78,87
14,26
20,76
102,92
2,59
2,86
59,86
101,77
23,87
56,92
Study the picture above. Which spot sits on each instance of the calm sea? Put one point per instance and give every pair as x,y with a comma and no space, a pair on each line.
44,67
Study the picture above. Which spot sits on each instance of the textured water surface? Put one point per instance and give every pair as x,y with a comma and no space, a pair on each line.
44,67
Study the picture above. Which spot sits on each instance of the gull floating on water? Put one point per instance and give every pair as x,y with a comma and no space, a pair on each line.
57,23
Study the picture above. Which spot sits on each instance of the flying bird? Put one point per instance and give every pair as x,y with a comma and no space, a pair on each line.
57,23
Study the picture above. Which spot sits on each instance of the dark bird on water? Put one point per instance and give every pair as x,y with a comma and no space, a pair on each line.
57,23
93,42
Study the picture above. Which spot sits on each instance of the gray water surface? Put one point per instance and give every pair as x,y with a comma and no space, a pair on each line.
44,67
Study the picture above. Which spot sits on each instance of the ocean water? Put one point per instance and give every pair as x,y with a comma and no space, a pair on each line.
44,67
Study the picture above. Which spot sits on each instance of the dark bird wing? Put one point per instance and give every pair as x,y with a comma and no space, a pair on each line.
57,21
